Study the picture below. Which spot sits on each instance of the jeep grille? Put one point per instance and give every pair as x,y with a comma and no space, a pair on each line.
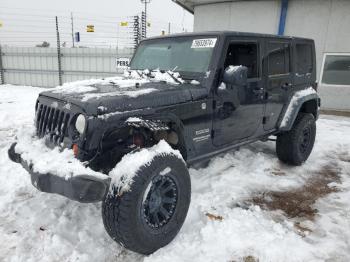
51,122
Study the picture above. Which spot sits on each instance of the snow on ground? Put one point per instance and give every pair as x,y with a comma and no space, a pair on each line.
223,224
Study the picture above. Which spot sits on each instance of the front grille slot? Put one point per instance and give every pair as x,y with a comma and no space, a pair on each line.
52,122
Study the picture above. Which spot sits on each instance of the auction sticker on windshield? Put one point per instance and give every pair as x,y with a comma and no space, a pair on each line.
204,43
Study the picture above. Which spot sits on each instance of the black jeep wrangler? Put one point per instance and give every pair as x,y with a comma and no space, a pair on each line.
202,93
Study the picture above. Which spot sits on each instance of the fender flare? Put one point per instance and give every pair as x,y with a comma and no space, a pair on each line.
291,111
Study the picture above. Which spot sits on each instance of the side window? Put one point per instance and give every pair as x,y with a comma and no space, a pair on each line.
278,58
336,69
245,54
304,63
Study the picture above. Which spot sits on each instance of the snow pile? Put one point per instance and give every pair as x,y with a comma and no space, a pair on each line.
222,86
86,86
156,75
231,69
127,85
46,160
122,175
293,103
111,86
168,77
108,115
133,119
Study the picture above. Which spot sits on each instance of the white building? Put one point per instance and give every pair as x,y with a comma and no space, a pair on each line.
325,21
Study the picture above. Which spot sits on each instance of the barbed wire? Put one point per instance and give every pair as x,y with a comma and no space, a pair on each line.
30,27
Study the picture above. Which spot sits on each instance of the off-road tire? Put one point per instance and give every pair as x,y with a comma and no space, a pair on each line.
123,215
289,144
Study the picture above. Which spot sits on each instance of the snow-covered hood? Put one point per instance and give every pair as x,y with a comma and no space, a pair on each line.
119,94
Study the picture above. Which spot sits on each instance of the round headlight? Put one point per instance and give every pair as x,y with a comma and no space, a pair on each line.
80,124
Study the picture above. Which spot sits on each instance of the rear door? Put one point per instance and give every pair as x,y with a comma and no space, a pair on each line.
278,72
304,60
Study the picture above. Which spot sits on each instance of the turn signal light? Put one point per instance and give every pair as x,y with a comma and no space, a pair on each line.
138,140
75,150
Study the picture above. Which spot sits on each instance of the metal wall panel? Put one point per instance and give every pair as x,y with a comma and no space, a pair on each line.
35,66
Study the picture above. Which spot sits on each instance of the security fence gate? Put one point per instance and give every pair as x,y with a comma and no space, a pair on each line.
39,66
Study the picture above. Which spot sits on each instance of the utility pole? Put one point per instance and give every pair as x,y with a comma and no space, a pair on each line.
136,31
2,80
169,25
143,25
71,18
59,54
145,2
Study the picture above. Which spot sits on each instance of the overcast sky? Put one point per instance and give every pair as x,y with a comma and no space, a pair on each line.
21,17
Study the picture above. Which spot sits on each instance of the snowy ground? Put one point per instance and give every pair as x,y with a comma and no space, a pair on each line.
234,214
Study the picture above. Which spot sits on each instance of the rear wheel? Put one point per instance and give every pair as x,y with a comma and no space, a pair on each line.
151,213
295,146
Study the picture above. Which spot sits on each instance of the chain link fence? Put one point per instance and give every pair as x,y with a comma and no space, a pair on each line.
47,50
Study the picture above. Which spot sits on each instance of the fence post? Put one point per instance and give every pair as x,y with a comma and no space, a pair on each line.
2,80
59,54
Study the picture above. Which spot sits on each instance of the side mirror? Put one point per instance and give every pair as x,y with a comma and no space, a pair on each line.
235,75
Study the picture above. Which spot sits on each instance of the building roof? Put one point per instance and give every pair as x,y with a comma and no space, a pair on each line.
190,4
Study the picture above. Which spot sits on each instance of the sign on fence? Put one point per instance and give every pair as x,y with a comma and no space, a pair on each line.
123,63
90,28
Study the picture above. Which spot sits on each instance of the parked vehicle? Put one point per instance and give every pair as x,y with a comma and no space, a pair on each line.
202,93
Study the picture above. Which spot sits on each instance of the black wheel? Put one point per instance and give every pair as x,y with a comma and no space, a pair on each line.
295,146
151,213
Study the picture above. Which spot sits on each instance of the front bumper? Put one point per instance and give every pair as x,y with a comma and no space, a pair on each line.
82,188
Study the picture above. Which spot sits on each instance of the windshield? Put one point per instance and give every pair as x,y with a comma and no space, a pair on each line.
183,54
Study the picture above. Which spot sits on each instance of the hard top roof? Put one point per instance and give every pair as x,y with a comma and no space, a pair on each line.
229,33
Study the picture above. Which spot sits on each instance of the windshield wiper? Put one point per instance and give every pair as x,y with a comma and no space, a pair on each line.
176,79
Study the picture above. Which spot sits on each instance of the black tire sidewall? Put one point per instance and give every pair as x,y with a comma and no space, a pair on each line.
141,237
288,143
307,121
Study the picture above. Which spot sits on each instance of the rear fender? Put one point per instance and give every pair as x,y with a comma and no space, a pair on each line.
306,102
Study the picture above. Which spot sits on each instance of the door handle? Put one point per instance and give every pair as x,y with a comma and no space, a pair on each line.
258,91
286,86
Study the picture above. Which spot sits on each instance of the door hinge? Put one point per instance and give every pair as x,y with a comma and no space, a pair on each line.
212,133
265,119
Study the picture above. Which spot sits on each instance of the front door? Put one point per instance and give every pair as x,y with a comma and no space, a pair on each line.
239,109
278,80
